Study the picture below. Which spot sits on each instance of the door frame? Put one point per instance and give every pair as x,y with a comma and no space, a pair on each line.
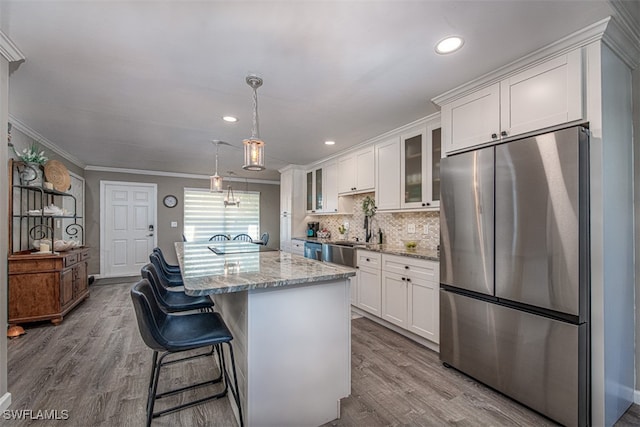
154,197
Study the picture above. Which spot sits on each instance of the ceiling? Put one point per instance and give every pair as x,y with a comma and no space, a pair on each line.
144,84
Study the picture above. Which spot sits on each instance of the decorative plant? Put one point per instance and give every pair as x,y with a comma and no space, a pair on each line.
32,154
369,206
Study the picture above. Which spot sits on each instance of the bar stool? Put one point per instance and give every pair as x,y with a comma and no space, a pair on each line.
173,301
171,279
170,268
170,334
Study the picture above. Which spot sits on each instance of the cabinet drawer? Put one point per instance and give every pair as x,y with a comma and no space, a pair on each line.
70,259
407,266
84,255
368,259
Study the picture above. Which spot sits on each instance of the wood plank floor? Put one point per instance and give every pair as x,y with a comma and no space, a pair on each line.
95,366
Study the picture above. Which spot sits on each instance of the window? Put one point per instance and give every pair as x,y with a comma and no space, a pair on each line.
206,215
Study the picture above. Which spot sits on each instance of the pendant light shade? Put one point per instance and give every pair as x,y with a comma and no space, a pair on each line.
216,180
254,146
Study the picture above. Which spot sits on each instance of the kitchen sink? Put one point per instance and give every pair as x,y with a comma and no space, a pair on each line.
340,252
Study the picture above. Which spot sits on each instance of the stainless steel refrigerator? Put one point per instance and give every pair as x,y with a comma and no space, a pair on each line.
514,270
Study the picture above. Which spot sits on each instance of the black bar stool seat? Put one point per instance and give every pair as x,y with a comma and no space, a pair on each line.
171,279
169,334
173,301
169,268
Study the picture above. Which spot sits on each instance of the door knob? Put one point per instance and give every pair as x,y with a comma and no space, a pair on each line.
150,235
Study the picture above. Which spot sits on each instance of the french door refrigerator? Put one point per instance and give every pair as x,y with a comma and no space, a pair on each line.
514,270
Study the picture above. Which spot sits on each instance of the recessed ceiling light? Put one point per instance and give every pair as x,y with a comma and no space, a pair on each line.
230,119
330,142
449,45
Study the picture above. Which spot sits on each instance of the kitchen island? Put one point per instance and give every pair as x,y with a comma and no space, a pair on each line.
290,318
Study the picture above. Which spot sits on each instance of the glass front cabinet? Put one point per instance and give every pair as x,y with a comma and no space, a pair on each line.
314,191
420,154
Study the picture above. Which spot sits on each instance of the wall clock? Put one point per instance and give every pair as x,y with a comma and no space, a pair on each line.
170,201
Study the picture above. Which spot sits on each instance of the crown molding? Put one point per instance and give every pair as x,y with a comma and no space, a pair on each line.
9,50
623,35
175,174
41,139
583,37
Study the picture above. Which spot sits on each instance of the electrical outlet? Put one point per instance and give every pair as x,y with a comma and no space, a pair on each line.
411,228
425,229
174,224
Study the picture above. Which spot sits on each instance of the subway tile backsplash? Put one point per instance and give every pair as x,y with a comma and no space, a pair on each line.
394,225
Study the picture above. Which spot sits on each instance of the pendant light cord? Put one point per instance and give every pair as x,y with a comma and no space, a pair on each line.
255,134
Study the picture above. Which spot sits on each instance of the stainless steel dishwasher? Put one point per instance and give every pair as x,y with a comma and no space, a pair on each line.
313,250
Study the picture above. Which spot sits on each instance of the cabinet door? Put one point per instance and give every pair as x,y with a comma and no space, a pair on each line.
66,287
424,308
434,149
330,186
365,170
285,233
546,95
394,298
369,290
346,174
310,192
319,201
80,277
286,191
387,157
353,280
471,120
413,169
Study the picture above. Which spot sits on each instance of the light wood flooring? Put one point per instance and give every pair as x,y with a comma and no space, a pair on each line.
95,366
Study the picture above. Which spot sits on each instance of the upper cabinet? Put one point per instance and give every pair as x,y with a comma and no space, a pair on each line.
408,168
356,172
541,96
322,188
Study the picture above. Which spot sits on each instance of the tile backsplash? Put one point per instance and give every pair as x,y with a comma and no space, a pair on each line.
394,226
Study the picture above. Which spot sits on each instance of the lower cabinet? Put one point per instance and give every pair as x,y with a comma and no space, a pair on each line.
369,285
46,287
401,290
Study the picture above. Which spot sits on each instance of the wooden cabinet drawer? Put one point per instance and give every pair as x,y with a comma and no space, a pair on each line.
33,264
368,259
84,255
407,266
70,259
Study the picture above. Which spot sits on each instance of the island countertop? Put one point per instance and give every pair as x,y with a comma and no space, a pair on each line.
246,266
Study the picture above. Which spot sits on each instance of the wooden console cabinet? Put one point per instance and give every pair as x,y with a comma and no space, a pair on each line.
46,286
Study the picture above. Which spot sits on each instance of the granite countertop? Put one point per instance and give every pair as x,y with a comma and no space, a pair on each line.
428,254
420,253
205,272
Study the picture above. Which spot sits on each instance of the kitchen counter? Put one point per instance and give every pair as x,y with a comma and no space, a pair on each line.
291,323
419,253
204,272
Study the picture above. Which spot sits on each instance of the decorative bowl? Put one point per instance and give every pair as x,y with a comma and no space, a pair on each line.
410,244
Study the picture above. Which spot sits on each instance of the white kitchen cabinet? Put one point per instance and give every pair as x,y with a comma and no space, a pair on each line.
394,298
322,188
297,247
369,282
472,119
330,186
356,172
353,282
538,97
292,212
545,95
410,295
387,161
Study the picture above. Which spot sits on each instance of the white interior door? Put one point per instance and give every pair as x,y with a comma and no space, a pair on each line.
128,227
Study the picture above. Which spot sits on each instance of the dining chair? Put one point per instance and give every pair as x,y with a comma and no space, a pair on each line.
243,237
264,238
171,279
173,301
170,268
219,237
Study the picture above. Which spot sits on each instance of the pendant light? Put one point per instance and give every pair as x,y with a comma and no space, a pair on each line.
230,199
216,180
254,146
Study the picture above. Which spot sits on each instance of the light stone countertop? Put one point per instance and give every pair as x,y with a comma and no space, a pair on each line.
419,253
204,272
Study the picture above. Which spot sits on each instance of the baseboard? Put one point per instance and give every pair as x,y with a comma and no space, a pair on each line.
5,401
636,397
417,338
